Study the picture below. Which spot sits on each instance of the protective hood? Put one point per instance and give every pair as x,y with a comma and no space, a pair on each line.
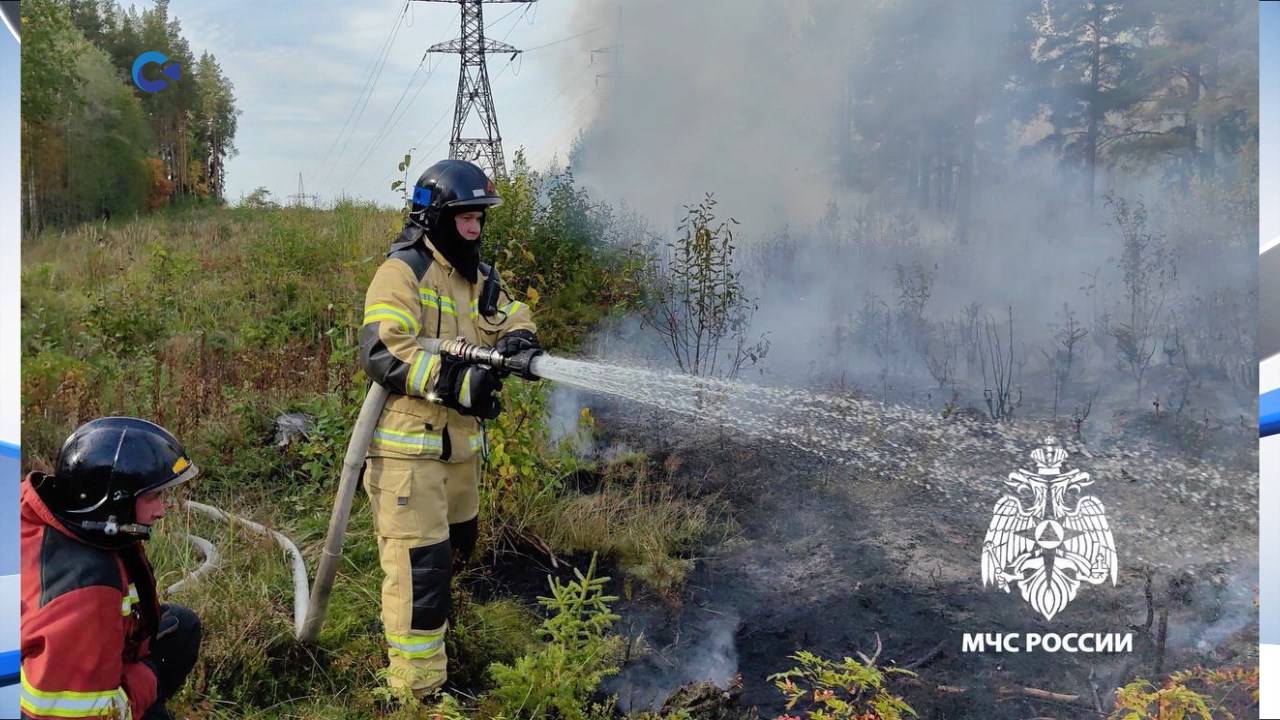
462,254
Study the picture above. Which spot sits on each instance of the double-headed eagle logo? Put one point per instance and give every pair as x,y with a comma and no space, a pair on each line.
1046,548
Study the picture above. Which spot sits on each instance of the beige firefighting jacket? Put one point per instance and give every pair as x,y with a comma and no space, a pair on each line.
417,293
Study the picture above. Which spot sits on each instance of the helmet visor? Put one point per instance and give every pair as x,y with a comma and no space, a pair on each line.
479,203
186,472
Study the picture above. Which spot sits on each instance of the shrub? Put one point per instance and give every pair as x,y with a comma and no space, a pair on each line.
559,677
840,690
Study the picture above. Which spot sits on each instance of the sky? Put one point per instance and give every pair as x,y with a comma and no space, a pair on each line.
298,71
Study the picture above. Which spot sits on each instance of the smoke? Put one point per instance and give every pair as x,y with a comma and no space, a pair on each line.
564,406
1214,610
885,162
801,117
707,653
716,97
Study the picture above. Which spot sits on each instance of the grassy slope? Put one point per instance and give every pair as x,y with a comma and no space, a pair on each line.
214,321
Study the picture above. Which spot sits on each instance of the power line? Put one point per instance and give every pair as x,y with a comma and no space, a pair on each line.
475,94
393,120
508,14
561,40
445,114
369,96
515,24
372,70
302,198
426,156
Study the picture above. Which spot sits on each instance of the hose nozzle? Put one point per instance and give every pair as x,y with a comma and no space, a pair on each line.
470,352
520,364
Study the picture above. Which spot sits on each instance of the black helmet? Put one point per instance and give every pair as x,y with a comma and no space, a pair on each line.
102,469
454,185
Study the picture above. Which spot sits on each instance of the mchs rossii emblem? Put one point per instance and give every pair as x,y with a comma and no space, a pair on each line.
1043,545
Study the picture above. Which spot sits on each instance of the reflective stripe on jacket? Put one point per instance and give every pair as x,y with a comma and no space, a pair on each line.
86,622
417,293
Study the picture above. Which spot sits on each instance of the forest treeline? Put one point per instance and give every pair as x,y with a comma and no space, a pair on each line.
1162,86
93,143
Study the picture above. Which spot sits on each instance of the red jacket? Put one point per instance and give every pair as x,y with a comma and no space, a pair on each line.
88,614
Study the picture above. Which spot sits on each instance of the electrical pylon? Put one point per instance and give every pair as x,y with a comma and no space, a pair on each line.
474,93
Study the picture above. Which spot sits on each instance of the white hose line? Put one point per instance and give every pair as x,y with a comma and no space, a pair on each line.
301,589
352,464
211,560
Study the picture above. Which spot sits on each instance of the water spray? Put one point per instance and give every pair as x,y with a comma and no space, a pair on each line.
886,442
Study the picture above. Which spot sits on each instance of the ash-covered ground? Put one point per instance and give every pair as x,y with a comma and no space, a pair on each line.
828,553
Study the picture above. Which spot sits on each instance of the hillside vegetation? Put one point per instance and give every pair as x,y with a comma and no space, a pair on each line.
216,321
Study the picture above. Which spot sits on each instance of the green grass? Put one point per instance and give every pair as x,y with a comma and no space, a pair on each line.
212,322
640,523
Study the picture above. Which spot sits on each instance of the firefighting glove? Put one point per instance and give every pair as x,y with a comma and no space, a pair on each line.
168,624
518,349
469,389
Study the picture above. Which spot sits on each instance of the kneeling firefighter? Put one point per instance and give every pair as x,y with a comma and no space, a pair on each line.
96,642
422,471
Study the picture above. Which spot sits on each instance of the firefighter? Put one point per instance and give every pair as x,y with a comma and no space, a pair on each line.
422,471
95,640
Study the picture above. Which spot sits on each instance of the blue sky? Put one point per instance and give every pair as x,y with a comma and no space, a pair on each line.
298,69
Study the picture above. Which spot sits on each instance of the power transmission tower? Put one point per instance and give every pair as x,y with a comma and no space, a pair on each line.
474,94
301,197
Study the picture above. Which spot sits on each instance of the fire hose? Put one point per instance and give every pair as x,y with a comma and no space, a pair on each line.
211,561
311,604
295,557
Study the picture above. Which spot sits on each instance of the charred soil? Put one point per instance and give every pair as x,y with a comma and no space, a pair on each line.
837,564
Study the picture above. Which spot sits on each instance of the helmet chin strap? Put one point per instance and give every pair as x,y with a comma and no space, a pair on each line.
112,528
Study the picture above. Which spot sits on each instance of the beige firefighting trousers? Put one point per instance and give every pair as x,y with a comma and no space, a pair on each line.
414,502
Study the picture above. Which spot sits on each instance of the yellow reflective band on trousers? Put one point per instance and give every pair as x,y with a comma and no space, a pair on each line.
408,441
477,441
415,646
128,601
430,298
72,704
420,370
382,311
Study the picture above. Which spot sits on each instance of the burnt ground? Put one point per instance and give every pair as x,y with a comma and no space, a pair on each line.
824,561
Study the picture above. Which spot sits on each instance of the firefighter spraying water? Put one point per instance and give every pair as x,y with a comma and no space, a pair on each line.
438,337
459,350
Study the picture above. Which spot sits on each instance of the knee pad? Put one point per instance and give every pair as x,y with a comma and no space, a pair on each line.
463,537
431,569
